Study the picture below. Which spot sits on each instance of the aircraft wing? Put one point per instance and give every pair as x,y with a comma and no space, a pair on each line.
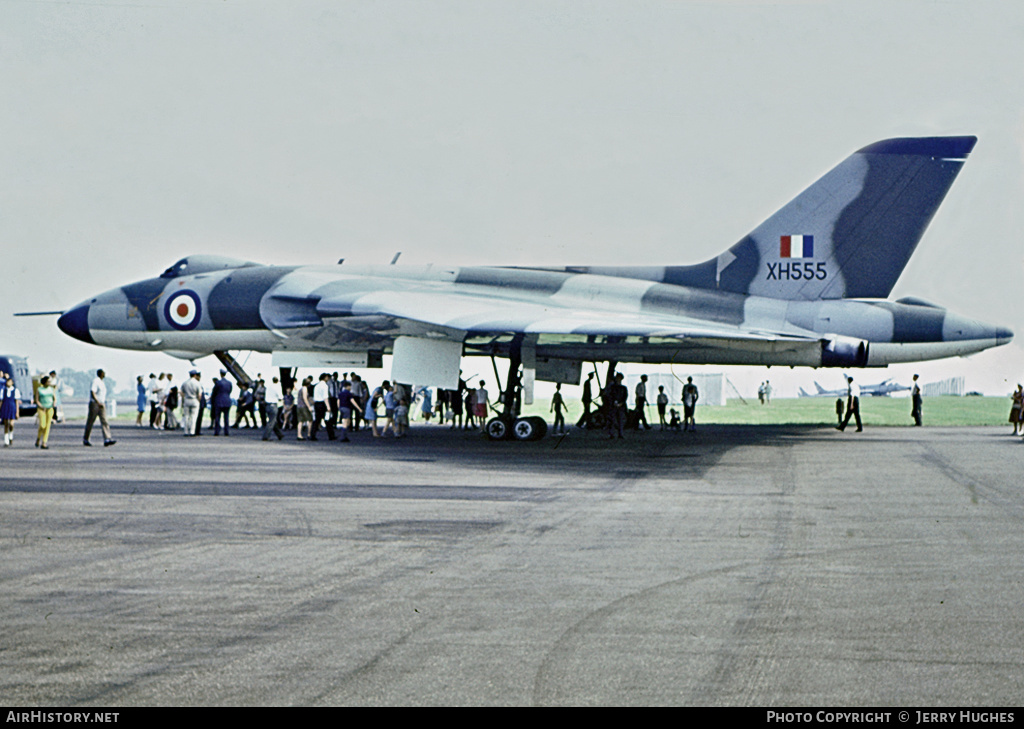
454,315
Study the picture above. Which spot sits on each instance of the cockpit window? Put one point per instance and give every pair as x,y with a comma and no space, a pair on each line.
178,269
204,264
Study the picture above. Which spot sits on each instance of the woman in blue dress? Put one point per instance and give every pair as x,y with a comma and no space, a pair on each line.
140,400
426,403
9,401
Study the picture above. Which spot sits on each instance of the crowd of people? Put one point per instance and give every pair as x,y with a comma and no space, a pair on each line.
331,405
618,417
339,405
47,400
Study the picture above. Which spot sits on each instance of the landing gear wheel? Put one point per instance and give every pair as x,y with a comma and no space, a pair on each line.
542,426
497,429
524,429
530,428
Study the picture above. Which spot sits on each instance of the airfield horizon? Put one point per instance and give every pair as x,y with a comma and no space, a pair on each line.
942,410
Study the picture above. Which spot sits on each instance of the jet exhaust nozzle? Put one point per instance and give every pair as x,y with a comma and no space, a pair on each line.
844,352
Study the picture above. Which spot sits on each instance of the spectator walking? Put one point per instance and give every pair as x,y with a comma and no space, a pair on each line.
852,405
587,400
558,408
347,403
641,403
322,414
272,397
304,409
46,398
97,409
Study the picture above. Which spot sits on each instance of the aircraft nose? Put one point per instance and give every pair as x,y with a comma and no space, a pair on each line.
75,323
1003,335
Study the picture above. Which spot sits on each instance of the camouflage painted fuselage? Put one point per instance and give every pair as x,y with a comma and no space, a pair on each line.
565,315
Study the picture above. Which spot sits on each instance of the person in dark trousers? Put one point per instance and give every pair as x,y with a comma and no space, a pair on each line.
558,408
690,397
347,405
917,402
97,409
852,405
202,409
272,397
244,407
322,414
641,404
616,395
220,400
588,398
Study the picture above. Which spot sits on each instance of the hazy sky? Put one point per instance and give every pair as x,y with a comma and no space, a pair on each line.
485,132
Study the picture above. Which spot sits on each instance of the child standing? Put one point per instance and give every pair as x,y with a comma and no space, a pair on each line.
10,401
401,418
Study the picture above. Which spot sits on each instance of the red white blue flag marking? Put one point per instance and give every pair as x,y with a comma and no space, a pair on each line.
796,246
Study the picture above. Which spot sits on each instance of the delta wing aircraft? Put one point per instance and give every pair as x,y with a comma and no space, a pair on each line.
807,287
882,389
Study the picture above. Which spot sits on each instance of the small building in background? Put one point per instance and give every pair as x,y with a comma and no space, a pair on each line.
949,386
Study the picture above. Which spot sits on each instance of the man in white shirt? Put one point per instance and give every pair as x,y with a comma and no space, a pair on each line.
321,408
98,409
191,395
154,394
852,405
272,398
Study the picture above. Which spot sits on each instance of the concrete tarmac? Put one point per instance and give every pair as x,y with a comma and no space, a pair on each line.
737,566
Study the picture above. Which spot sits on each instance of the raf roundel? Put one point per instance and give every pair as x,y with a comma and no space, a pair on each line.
183,310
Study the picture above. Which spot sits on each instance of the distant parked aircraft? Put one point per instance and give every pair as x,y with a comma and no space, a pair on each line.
882,389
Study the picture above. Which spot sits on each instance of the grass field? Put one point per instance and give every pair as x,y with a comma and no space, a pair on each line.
874,411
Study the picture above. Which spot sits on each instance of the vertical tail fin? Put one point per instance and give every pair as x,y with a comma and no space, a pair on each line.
850,234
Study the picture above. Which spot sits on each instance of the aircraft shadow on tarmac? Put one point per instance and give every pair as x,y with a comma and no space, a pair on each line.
167,464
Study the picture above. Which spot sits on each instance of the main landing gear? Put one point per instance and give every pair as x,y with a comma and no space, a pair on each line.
508,425
531,427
